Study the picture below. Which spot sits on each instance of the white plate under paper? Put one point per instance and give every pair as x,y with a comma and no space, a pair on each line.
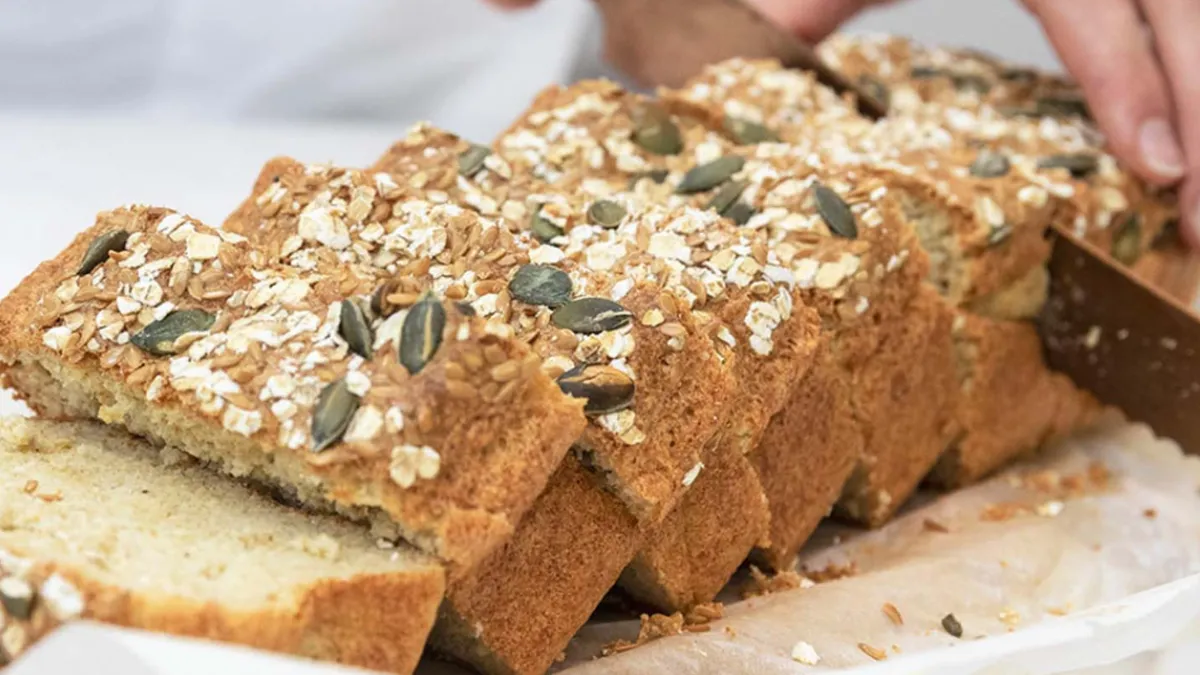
58,173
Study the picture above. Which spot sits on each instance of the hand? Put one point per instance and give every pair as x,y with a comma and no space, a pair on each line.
1136,61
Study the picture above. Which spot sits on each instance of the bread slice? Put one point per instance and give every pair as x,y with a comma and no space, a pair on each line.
234,353
516,611
100,526
1009,398
674,369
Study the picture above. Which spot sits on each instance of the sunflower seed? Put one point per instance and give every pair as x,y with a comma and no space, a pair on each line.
606,389
591,315
159,337
952,626
656,175
835,212
990,165
1127,239
331,417
606,213
654,131
747,132
541,285
999,234
465,308
470,161
1081,165
380,306
543,229
727,196
421,334
740,213
97,252
17,597
708,176
876,89
356,330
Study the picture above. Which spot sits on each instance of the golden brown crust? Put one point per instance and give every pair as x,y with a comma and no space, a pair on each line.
692,554
378,622
904,397
805,457
518,609
1008,401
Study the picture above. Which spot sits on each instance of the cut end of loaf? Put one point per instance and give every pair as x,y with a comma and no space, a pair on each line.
116,531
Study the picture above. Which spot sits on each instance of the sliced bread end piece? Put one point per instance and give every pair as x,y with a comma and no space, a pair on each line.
100,526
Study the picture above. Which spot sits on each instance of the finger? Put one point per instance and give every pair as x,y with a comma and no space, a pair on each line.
1176,25
812,20
1103,44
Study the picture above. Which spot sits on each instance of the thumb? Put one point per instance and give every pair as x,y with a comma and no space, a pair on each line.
812,20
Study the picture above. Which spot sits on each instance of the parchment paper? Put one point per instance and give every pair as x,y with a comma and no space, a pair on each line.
1066,583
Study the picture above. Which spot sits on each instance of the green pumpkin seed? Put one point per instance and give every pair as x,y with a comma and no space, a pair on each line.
331,417
470,161
97,252
18,597
710,175
999,234
876,89
990,165
1016,74
835,212
747,132
544,230
927,73
656,175
727,196
421,334
541,285
606,213
1127,239
606,389
740,213
1017,111
952,626
654,130
970,82
159,337
356,330
591,315
1066,104
1081,165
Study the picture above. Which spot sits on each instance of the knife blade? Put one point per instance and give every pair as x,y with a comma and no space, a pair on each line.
1128,343
665,42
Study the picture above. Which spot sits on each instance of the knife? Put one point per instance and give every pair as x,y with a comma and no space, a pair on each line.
1128,343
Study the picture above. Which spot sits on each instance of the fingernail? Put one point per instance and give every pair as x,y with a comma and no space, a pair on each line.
1160,148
